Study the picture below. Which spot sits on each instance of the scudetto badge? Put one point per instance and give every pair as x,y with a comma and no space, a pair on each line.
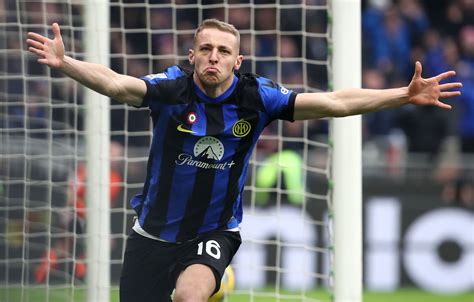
192,118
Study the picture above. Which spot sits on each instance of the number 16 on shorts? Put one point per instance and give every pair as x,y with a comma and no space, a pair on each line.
211,247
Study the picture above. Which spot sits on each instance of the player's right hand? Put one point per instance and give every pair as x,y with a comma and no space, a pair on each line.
49,52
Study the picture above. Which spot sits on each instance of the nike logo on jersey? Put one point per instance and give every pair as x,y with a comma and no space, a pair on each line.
182,129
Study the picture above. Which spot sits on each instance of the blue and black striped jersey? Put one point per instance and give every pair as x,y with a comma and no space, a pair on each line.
200,151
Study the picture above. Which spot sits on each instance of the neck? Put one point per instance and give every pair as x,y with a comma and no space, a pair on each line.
213,91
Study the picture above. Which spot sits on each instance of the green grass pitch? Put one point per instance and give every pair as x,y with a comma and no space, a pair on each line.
79,295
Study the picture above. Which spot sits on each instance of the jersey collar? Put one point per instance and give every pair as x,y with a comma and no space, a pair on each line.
220,98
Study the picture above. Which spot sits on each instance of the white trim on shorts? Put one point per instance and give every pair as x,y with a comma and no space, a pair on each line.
138,228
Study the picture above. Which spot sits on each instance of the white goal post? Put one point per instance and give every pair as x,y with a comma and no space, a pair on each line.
347,165
97,120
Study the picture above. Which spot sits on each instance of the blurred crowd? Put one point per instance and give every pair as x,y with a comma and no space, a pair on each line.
441,35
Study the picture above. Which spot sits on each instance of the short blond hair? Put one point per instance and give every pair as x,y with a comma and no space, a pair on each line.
220,25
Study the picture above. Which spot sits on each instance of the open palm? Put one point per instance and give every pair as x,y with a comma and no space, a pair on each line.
49,52
428,91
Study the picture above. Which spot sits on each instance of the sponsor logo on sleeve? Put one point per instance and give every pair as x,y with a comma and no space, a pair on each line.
283,90
157,76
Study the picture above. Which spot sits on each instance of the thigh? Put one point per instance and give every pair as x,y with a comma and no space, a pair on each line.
195,283
215,250
146,272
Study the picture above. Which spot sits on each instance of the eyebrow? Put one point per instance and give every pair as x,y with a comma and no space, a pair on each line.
219,46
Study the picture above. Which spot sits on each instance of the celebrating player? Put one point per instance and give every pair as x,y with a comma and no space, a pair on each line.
205,125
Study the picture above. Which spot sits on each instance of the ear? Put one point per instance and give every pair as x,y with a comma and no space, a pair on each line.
238,62
191,56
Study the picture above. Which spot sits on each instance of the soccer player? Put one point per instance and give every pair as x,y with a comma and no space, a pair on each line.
205,125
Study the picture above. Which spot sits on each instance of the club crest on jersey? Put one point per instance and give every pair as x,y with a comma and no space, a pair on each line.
241,128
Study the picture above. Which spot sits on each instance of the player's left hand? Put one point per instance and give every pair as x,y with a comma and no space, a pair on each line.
428,91
49,51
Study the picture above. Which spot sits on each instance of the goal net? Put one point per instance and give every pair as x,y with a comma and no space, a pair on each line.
286,250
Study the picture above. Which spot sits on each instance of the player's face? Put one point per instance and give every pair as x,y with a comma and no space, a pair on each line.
215,56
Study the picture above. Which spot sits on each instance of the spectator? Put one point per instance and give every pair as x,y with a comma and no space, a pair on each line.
73,222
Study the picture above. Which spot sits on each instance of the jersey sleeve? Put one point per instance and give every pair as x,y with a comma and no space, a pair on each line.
160,86
278,101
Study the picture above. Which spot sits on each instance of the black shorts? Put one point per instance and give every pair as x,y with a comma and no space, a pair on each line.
151,267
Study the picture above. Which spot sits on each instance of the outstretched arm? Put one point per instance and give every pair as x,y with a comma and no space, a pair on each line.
347,102
97,77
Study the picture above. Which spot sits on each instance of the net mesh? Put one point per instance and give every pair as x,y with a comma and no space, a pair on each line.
285,252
